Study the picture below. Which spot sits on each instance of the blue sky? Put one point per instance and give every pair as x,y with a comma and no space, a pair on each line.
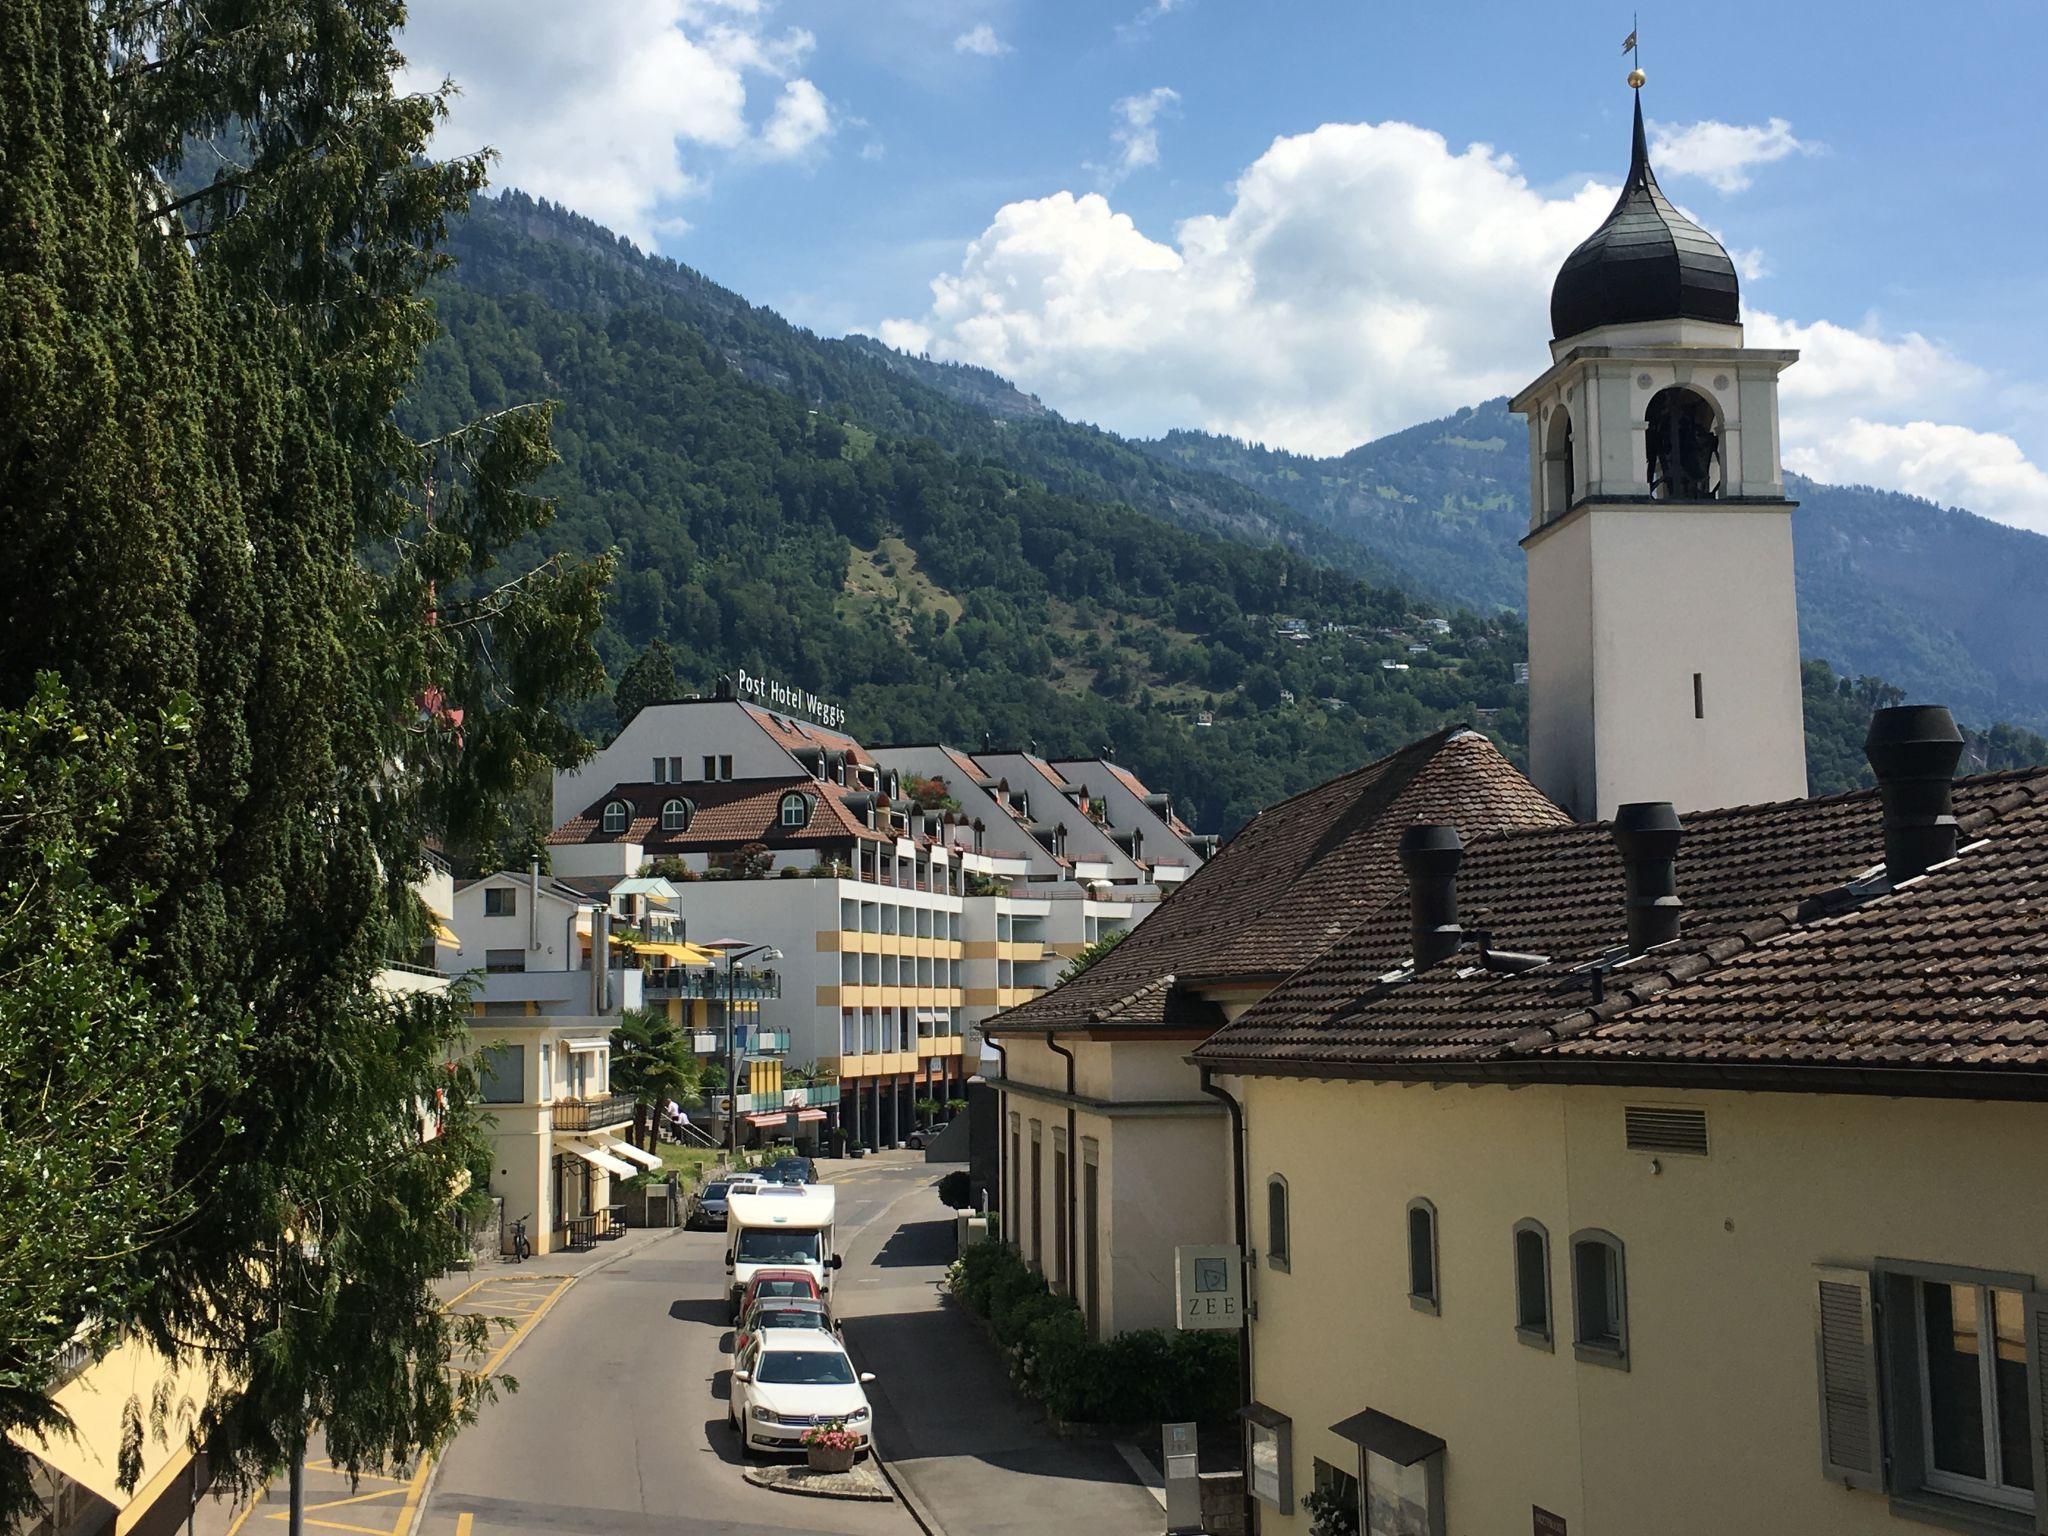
1270,219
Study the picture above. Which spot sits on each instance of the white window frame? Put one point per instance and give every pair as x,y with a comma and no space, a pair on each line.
1431,1300
1545,1337
1599,1351
1280,1257
798,803
680,820
1987,1490
615,818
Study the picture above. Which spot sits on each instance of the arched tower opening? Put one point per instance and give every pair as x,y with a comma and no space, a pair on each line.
1682,443
1560,479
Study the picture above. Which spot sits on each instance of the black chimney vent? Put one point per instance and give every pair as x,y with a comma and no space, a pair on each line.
1431,855
1648,833
1913,750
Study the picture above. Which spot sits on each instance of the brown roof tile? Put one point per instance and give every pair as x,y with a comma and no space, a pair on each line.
1299,876
728,813
1949,970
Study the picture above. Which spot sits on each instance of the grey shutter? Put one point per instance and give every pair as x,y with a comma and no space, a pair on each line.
1845,1352
2037,1399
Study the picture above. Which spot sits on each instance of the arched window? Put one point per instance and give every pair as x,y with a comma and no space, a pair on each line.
1682,446
1600,1298
616,816
1532,1283
1278,1247
1422,1275
1560,477
675,816
796,809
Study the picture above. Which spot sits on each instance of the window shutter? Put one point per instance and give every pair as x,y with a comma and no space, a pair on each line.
1851,1444
2037,1399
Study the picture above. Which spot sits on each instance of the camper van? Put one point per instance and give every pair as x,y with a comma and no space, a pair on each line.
790,1228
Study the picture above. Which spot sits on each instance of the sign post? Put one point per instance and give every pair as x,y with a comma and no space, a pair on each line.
1183,1461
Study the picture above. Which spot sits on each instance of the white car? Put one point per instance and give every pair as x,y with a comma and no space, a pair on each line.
788,1380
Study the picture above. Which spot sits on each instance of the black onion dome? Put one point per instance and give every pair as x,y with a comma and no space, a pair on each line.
1647,262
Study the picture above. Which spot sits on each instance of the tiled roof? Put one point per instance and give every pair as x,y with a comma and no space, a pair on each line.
1300,875
729,813
794,735
1948,971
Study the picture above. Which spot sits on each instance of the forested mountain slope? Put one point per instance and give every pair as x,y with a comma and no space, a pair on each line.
937,594
1945,604
867,526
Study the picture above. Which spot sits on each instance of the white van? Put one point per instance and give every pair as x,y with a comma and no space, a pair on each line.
788,1229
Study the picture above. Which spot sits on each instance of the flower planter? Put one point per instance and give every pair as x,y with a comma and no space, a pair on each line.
824,1458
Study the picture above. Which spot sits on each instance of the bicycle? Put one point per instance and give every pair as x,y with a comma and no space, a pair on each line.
522,1249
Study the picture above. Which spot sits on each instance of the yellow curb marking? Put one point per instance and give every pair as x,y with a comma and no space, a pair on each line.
414,1486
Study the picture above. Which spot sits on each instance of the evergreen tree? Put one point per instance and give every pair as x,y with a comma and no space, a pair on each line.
649,680
216,217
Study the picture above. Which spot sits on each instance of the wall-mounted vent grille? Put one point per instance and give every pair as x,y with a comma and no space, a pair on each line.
1666,1130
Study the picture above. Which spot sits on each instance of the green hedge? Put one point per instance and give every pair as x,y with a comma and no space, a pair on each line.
1135,1378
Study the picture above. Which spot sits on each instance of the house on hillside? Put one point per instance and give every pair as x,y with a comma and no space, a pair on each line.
1111,1154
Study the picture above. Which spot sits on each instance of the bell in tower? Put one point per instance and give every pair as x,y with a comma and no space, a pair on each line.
1663,629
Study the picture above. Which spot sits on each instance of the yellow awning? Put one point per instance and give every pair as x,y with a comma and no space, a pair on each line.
443,934
679,954
95,1400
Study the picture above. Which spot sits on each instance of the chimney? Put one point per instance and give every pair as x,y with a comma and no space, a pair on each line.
1648,833
1431,855
1913,750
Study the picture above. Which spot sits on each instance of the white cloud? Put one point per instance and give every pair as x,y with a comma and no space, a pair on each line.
618,108
1366,277
1137,131
1721,154
980,40
1141,23
801,118
1984,471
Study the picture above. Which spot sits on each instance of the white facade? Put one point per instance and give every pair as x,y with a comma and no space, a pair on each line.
1663,635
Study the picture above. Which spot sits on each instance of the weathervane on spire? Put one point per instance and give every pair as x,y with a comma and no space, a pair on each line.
1636,77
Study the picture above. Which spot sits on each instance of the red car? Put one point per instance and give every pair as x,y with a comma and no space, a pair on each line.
778,1282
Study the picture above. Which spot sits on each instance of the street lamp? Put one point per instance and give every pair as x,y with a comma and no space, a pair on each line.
734,949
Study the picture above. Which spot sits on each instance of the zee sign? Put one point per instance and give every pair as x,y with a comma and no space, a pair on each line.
1209,1282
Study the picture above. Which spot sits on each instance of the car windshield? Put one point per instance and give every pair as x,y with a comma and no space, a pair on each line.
797,1288
805,1368
778,1245
714,1191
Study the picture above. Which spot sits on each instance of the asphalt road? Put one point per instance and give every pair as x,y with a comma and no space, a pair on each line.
618,1427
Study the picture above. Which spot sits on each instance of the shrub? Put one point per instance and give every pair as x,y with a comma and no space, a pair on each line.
1134,1378
957,1189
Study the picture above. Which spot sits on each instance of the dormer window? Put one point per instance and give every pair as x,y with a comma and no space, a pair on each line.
675,816
616,816
796,810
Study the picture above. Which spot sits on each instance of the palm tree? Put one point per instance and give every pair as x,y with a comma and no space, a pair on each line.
651,1060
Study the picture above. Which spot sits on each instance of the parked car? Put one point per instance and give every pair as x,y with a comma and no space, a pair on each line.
798,1283
794,1169
781,1312
788,1380
710,1209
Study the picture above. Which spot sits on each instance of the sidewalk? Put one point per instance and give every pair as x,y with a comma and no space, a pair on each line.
517,1297
974,1454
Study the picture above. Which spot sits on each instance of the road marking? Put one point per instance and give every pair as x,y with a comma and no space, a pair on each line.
542,1291
462,1523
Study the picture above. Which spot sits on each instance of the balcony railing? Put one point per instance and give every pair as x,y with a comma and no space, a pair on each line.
710,985
593,1114
759,1042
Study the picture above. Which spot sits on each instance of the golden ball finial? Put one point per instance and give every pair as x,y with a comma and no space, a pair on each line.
1636,78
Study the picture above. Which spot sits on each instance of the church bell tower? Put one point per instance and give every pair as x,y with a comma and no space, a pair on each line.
1663,628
